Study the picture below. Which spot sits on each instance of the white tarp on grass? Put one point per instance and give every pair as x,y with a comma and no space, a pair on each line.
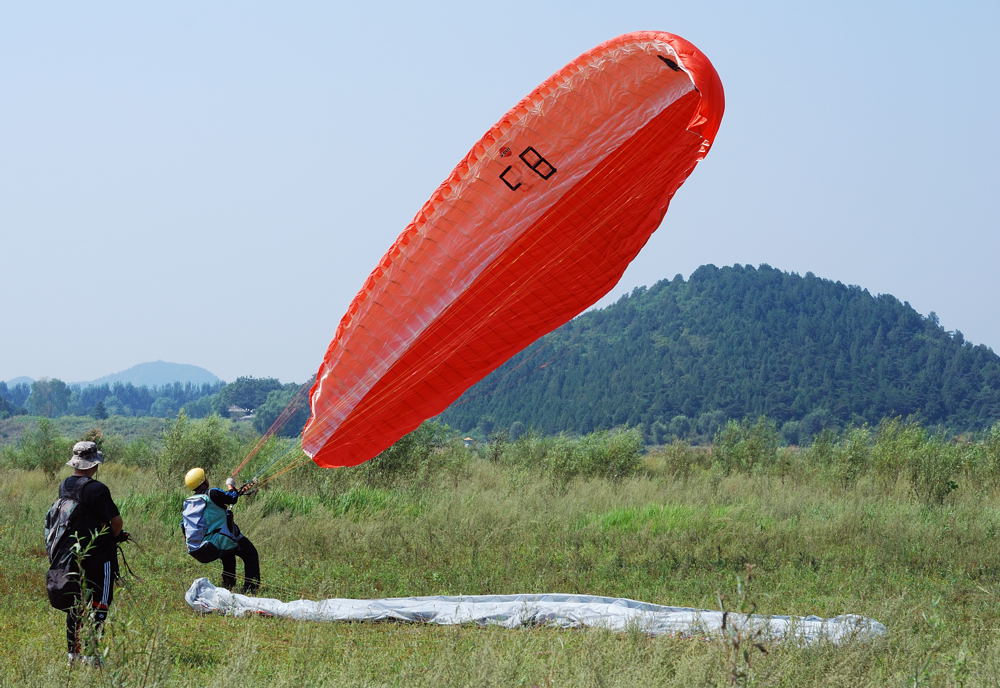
561,611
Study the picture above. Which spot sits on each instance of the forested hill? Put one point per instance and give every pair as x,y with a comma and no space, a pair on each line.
681,357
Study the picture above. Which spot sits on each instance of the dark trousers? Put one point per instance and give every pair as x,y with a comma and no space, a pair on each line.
251,566
245,551
97,592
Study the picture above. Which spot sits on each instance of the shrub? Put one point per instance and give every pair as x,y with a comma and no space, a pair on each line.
933,467
680,458
853,454
44,448
411,454
610,454
138,452
531,450
896,443
208,443
991,451
742,445
496,445
823,449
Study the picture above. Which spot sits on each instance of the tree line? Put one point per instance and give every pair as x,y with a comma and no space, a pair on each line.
53,397
260,400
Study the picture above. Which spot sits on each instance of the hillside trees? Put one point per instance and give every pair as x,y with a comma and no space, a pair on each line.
15,395
49,398
681,358
246,392
7,409
277,402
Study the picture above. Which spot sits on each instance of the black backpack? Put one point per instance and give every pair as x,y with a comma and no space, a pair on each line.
62,582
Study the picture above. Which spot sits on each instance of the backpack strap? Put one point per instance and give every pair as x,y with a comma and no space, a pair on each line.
77,492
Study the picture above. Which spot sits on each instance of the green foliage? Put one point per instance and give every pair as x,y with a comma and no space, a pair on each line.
278,501
275,405
7,409
813,542
822,452
933,469
160,507
246,392
54,398
741,446
362,499
681,358
201,408
44,448
48,398
657,518
95,435
532,450
12,430
138,452
991,449
612,454
208,443
896,443
852,455
413,454
678,459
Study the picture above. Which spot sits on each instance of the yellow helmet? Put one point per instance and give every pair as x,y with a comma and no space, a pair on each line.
194,478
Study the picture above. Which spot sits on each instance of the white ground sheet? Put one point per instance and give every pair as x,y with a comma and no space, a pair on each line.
561,611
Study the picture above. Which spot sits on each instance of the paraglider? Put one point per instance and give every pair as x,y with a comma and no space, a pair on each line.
535,224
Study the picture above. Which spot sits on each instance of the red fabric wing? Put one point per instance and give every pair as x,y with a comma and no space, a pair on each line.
537,223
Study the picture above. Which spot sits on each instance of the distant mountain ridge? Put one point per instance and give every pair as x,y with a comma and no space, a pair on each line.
151,374
679,358
157,374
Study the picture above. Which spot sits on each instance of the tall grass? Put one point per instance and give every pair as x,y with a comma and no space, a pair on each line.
826,530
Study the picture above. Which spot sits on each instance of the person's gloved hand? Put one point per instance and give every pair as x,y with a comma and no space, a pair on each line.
230,483
122,536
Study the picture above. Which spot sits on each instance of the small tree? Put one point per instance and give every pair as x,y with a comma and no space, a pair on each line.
206,443
897,443
742,445
853,454
933,467
44,448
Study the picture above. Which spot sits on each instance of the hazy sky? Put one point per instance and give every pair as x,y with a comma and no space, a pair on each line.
211,182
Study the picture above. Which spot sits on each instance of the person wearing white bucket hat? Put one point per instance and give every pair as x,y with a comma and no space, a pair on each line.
97,525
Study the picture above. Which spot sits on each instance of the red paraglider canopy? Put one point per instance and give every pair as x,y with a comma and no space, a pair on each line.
534,225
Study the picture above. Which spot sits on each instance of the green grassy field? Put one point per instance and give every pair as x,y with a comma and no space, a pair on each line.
822,533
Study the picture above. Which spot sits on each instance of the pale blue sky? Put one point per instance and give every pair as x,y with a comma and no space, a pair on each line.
210,182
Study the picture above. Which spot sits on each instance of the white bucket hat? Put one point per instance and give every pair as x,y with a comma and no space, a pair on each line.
86,455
